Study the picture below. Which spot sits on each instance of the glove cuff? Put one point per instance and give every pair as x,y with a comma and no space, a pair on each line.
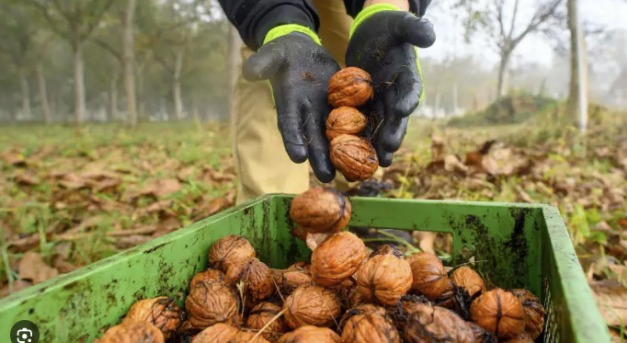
282,30
368,12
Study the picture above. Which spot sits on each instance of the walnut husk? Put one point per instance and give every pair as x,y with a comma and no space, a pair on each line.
384,279
429,275
311,305
350,86
481,335
132,331
337,258
354,157
320,210
261,315
499,312
255,279
162,312
368,323
422,322
534,312
209,303
311,334
230,251
345,120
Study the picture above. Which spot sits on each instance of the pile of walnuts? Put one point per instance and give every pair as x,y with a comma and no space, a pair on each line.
344,293
353,155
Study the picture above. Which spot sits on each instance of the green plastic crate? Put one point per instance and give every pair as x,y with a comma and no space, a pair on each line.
523,246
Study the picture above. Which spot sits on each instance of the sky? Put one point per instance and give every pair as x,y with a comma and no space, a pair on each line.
450,39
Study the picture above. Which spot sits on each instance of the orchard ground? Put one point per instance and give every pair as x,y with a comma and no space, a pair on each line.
70,197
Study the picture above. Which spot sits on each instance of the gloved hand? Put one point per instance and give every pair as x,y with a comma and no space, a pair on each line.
383,41
298,69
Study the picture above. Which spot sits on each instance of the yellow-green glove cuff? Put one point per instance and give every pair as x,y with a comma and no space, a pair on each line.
368,12
286,29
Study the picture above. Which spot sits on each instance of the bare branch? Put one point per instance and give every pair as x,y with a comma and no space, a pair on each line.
513,24
101,43
499,15
98,16
541,16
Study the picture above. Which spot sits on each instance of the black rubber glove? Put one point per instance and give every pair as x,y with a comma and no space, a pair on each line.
383,43
299,70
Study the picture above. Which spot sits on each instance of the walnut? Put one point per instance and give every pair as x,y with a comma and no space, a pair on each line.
534,312
229,251
354,157
311,305
384,278
429,276
522,338
209,303
345,120
255,278
161,312
320,210
468,280
288,280
314,239
368,323
387,249
422,322
499,312
337,258
481,335
261,315
207,275
220,332
131,331
350,86
311,334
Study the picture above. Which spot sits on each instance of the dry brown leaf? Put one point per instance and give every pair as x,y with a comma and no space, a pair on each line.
106,185
72,181
437,148
186,173
611,298
17,286
162,187
131,241
27,178
142,230
214,206
168,225
33,267
63,265
453,164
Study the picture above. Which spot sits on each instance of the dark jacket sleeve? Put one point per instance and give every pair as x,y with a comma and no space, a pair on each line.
417,7
254,18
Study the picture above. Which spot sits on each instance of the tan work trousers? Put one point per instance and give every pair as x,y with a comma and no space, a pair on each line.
261,162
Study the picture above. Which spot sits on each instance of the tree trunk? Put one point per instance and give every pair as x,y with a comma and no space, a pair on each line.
502,83
43,93
25,94
79,85
113,97
141,102
129,64
178,67
573,89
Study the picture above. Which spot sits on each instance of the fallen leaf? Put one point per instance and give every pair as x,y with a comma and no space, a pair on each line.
17,286
453,164
162,187
26,179
63,265
611,298
32,267
72,181
14,159
142,230
131,241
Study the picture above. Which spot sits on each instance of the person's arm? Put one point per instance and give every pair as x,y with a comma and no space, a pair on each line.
254,18
417,7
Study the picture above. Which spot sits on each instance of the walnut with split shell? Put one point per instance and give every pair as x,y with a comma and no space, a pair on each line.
230,251
311,305
368,323
429,275
500,312
354,157
384,279
320,210
131,331
162,312
311,334
337,258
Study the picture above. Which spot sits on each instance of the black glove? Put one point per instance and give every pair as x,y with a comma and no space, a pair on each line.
299,70
383,43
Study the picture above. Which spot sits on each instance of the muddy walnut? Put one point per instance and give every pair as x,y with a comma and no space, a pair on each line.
345,120
368,324
350,87
131,331
499,312
311,305
354,157
384,279
161,312
337,258
534,312
320,210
